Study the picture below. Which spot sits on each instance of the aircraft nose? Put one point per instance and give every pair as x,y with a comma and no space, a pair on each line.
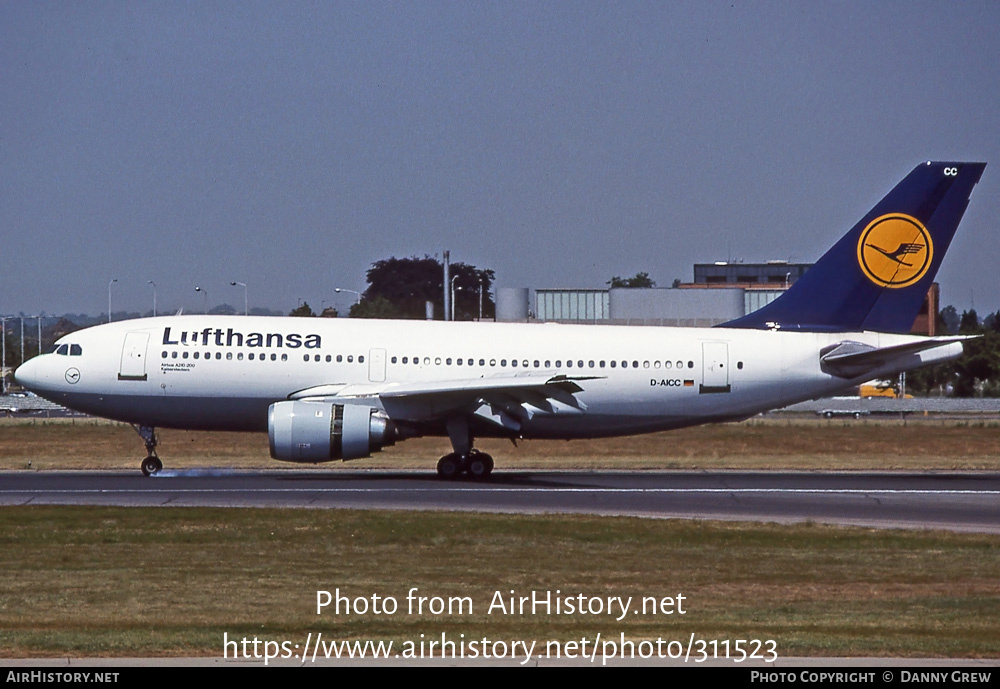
27,374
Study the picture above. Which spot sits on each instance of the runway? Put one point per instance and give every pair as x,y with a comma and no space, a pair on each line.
950,501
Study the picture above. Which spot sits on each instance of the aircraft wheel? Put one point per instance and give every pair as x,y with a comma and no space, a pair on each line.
151,465
449,466
480,466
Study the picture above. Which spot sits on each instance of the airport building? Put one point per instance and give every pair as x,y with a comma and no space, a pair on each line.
721,292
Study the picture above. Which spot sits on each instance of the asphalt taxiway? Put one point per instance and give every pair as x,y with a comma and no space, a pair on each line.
952,501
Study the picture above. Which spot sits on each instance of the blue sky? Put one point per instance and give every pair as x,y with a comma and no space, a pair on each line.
288,145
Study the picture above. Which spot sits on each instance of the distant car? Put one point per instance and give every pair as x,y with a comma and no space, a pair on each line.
855,413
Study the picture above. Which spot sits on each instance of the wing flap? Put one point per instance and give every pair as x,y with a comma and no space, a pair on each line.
506,400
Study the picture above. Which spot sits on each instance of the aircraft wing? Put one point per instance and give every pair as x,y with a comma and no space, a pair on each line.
852,359
504,400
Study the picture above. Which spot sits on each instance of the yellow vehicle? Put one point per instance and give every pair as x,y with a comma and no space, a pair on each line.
881,389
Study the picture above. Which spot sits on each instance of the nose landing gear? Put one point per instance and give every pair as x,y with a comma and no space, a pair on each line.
152,464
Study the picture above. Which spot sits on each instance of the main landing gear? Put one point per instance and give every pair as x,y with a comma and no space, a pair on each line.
465,460
476,465
152,464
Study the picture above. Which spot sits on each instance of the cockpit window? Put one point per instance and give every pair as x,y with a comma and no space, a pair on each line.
75,350
61,349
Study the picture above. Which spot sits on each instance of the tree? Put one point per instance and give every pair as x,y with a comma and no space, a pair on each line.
948,320
222,310
639,280
406,284
302,310
377,307
329,312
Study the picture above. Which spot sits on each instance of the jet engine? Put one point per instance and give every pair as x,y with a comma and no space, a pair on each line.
320,432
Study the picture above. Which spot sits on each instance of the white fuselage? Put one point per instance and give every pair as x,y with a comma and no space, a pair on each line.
223,372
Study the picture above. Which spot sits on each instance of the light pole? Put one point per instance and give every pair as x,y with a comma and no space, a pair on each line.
338,290
199,289
154,297
480,300
3,370
246,300
113,281
453,297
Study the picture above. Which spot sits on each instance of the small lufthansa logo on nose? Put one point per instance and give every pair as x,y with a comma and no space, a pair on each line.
895,250
73,376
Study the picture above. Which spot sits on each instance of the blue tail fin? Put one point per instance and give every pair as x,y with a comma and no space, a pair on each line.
876,276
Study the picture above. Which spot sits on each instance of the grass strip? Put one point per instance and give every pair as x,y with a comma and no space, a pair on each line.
97,581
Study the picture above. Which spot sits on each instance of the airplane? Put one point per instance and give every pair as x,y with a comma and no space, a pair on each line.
329,389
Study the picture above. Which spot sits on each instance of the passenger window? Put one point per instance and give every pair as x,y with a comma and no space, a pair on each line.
340,358
690,364
284,357
613,364
229,356
249,356
163,354
350,358
361,359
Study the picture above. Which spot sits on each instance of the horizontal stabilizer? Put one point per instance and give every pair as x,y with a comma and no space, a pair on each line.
852,359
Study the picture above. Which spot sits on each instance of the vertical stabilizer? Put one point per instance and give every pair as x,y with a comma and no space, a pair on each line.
877,275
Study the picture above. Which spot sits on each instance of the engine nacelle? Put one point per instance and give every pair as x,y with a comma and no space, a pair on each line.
320,432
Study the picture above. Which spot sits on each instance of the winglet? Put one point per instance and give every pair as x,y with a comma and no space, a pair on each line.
876,276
